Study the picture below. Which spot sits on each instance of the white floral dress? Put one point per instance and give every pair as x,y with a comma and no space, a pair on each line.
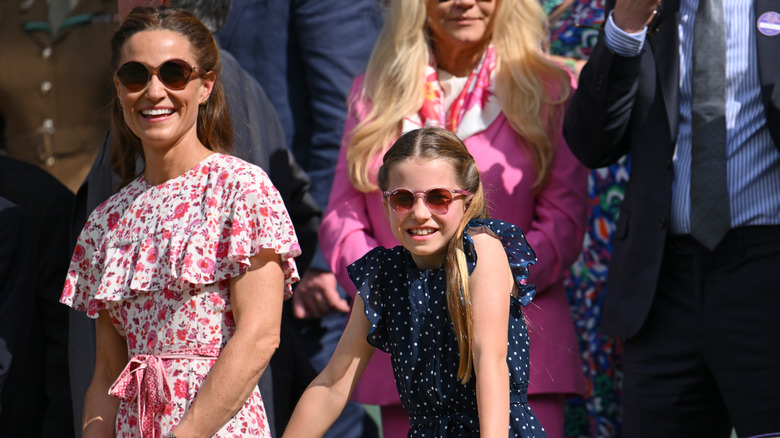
159,259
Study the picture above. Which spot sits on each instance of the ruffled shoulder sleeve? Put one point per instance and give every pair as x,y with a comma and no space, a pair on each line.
88,271
257,219
518,252
371,275
199,228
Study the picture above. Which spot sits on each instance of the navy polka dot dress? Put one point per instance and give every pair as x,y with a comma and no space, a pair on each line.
407,309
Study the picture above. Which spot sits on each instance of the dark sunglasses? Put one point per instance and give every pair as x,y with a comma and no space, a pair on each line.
175,74
437,199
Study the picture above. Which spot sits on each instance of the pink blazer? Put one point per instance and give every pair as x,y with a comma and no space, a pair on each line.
553,221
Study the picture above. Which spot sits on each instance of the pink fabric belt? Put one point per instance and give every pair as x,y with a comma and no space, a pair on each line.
144,381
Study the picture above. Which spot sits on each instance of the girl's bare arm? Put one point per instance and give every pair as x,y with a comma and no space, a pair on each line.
491,284
328,393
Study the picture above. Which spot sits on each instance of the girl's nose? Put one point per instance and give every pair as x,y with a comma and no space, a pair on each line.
420,210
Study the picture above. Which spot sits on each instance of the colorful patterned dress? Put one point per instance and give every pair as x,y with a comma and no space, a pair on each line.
597,414
159,259
407,309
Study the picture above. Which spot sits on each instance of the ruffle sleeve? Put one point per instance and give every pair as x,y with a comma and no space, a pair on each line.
369,274
518,252
201,232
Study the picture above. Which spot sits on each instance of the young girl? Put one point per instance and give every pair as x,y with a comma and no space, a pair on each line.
453,327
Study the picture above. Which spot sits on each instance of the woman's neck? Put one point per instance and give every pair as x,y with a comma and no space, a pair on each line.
459,62
165,164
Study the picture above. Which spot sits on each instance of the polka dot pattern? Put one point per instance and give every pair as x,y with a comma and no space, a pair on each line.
407,309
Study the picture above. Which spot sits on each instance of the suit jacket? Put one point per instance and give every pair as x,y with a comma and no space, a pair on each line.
17,298
553,220
43,408
631,105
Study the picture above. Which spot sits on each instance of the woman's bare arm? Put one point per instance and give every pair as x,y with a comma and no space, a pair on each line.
256,297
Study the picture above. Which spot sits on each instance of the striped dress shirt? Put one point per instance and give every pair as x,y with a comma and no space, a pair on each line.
753,161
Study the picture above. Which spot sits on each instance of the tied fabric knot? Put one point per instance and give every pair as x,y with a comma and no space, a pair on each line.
143,380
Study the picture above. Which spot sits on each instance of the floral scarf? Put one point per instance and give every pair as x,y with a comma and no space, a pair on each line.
471,112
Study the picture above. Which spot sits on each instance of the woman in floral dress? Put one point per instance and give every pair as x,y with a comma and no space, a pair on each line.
187,266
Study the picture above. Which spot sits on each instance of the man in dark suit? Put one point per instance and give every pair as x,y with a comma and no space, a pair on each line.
17,280
696,307
17,298
40,403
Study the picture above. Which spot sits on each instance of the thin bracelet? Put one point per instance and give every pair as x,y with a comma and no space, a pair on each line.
170,435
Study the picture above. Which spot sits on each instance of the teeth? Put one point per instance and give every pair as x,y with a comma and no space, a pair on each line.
421,232
156,112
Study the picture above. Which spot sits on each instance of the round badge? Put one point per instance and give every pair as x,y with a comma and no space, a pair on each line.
769,23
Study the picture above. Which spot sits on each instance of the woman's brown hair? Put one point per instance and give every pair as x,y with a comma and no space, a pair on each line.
432,143
214,127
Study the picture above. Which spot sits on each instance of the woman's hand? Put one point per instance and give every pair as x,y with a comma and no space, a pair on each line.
100,409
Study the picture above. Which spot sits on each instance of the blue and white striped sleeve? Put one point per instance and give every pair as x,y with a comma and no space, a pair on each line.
622,43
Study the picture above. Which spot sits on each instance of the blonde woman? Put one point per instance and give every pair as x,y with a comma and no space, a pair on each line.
477,68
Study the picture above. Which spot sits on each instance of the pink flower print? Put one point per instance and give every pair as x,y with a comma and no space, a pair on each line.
216,300
113,221
132,340
68,289
211,201
78,253
180,210
151,257
148,305
222,250
206,265
132,421
151,342
237,228
180,388
223,176
226,230
168,294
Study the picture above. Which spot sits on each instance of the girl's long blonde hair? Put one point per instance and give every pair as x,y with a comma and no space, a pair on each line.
434,143
530,88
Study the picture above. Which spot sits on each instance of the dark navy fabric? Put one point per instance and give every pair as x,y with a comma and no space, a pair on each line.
407,309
